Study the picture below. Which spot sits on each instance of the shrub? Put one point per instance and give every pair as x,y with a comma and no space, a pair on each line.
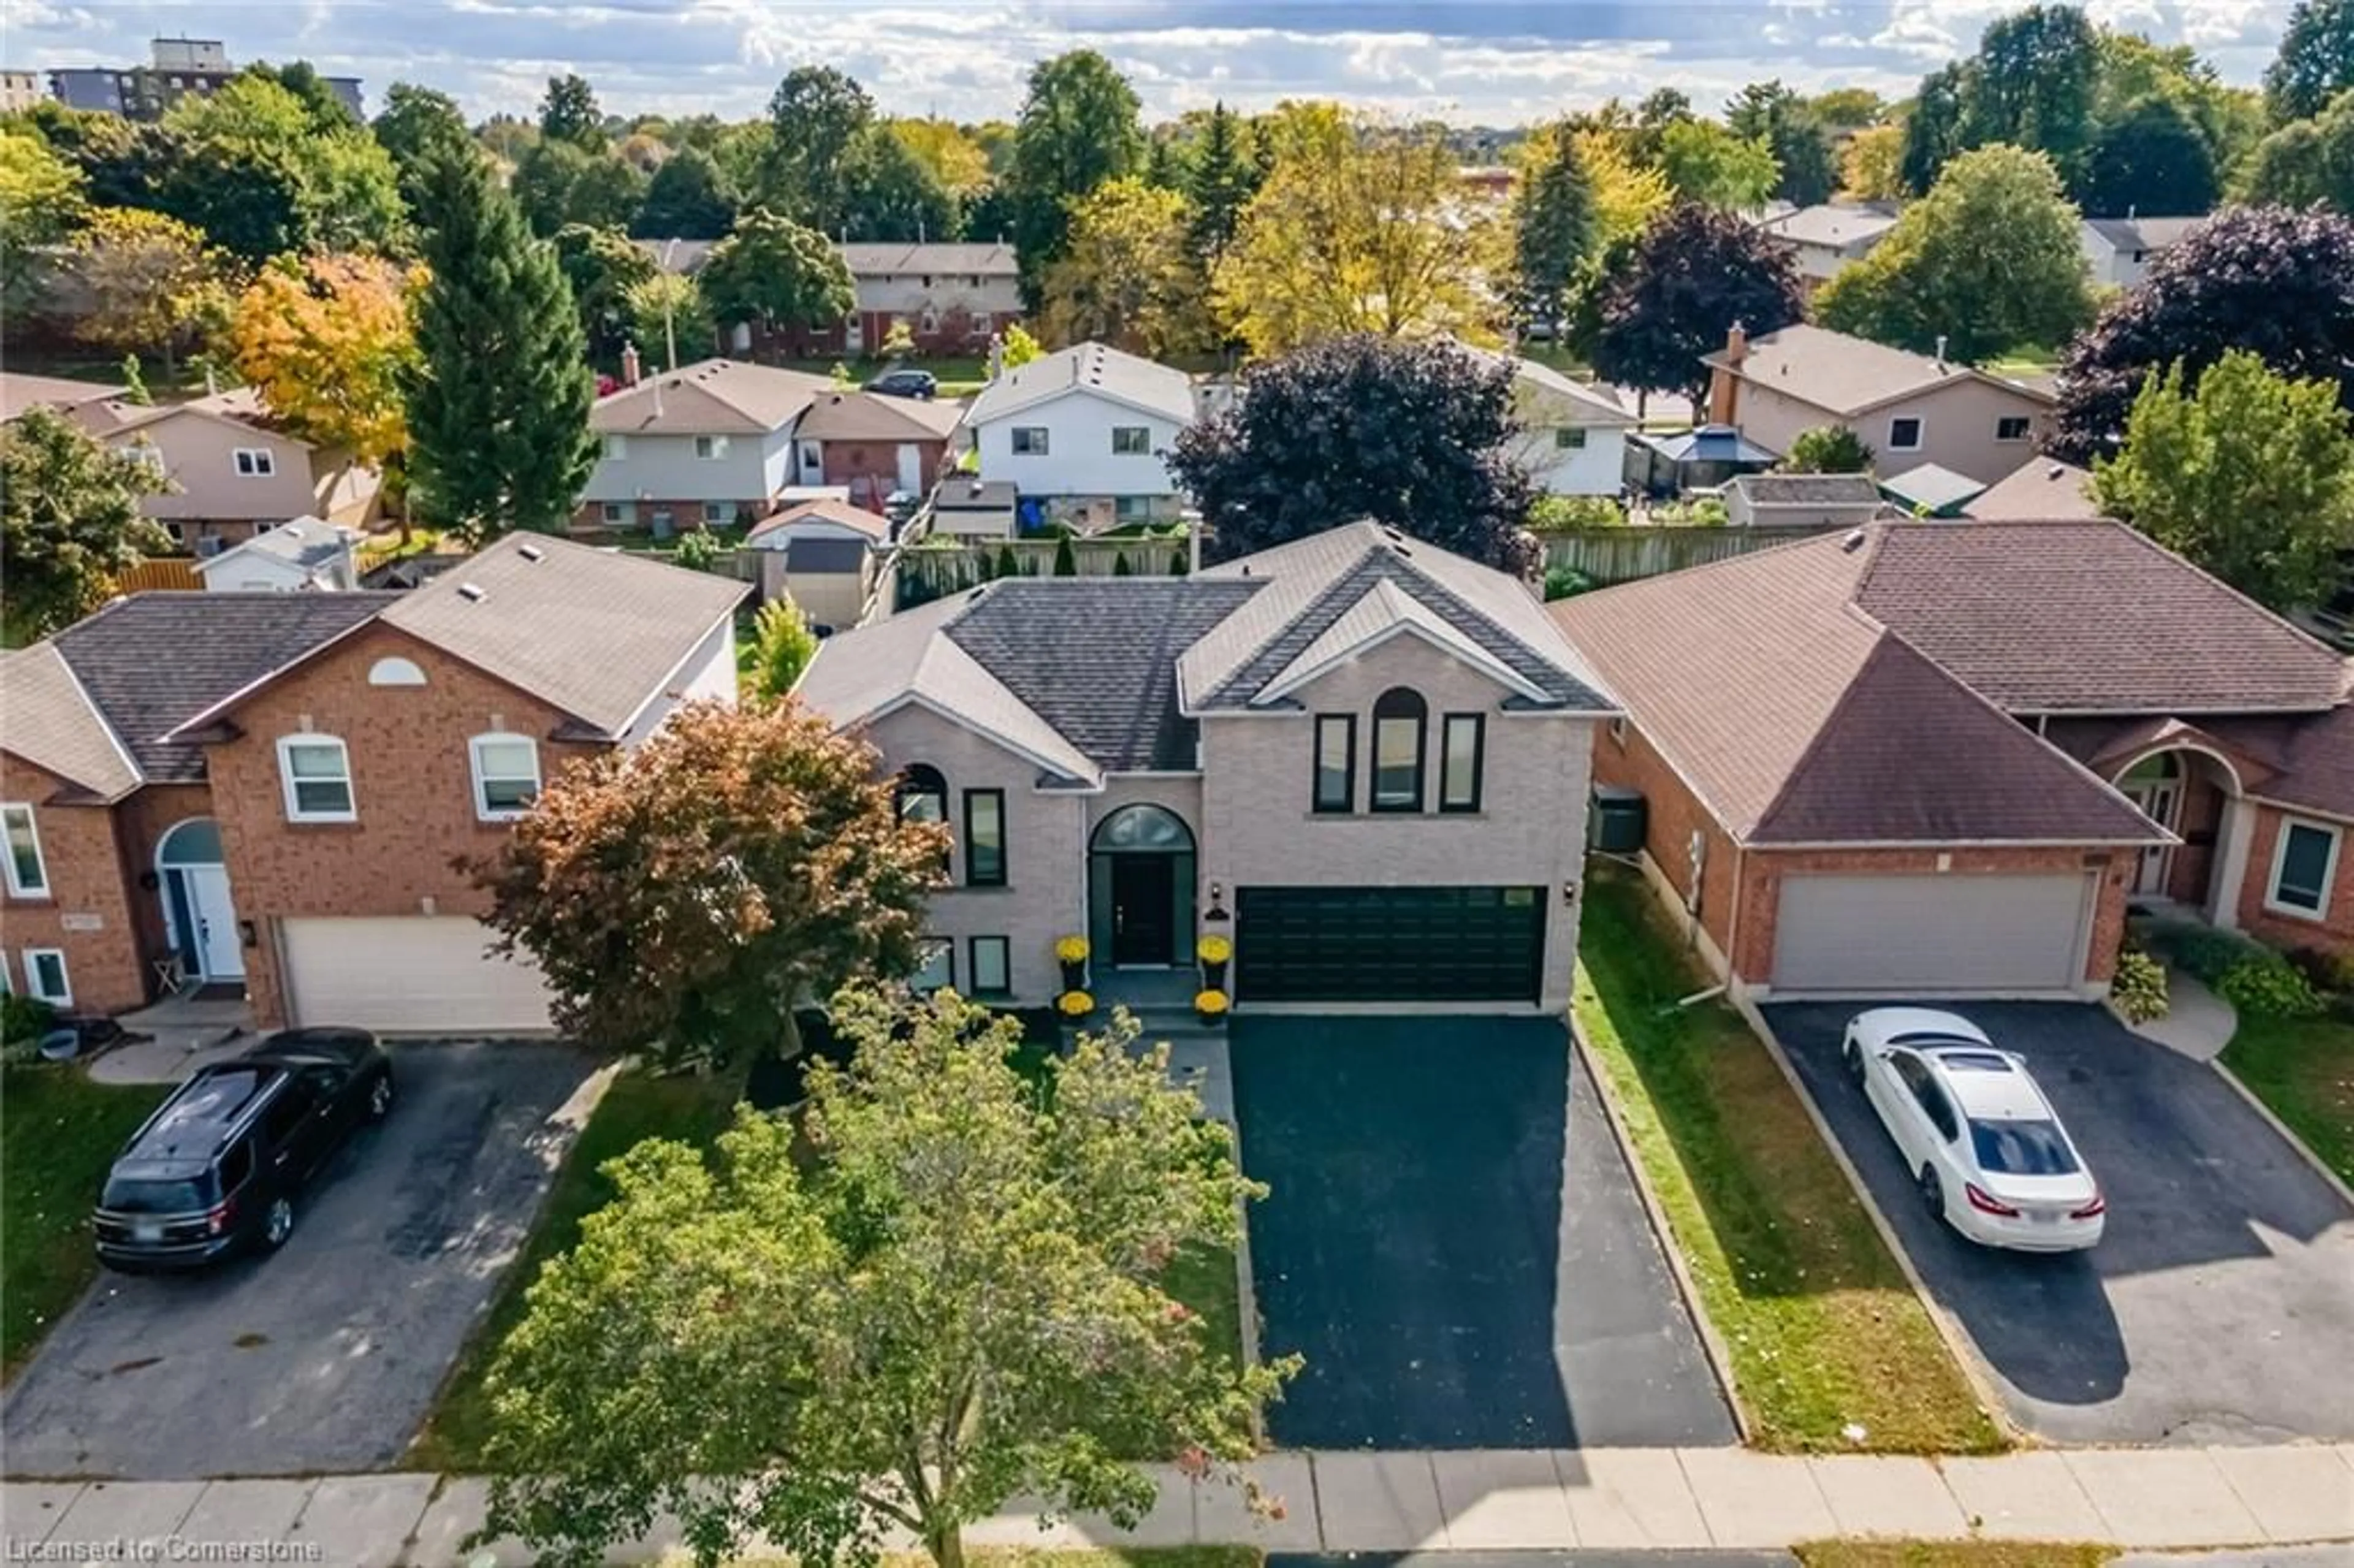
2327,971
1565,582
2138,990
2266,985
699,551
1067,561
2201,950
1559,513
23,1018
1695,511
782,646
1008,566
1177,564
1828,448
1119,566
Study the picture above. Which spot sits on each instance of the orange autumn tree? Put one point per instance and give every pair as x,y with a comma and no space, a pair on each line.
324,343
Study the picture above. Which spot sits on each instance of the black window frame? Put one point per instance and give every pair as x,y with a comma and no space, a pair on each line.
1447,804
1920,432
919,779
2026,428
1348,803
1420,718
978,872
1030,441
1004,946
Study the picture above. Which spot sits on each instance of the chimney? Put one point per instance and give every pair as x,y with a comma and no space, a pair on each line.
631,368
1941,353
1723,387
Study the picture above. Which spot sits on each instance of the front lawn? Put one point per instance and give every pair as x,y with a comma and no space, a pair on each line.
636,1108
2304,1069
59,1133
1823,1329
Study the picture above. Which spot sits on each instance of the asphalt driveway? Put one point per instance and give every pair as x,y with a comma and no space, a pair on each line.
325,1357
1453,1243
2218,1307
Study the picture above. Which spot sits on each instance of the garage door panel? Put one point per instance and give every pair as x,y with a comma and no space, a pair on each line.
1389,944
2010,934
421,975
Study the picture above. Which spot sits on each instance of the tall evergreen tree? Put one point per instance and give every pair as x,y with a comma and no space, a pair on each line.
569,113
498,404
1557,232
1933,130
1219,182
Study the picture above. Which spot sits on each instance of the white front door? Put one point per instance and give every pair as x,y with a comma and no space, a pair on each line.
215,935
911,468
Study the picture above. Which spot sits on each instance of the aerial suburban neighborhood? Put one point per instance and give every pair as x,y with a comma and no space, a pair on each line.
1174,787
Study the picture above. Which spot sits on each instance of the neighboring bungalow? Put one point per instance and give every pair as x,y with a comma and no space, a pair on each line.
1802,501
822,554
953,296
872,446
1360,758
1664,465
271,790
233,472
1573,436
1827,238
1910,408
1930,491
19,392
707,445
1914,761
976,508
1086,434
305,556
2041,491
2120,250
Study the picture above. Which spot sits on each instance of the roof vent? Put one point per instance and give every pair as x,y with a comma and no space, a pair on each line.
2055,472
471,593
531,552
1852,543
1393,533
1400,549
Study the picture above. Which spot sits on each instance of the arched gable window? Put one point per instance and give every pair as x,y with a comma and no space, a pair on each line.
923,794
393,670
1399,717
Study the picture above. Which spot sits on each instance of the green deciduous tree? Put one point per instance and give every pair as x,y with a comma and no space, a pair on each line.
559,182
1127,278
569,113
43,197
1416,434
602,266
782,646
2248,473
773,269
1988,260
69,522
957,1294
2315,62
1934,129
1078,129
498,401
416,126
1706,163
668,308
258,173
154,285
1671,296
1795,134
1828,448
2035,84
2153,160
1556,232
690,198
684,898
2307,162
817,119
2267,279
893,194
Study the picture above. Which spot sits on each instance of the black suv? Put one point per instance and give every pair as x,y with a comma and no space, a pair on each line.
216,1170
905,383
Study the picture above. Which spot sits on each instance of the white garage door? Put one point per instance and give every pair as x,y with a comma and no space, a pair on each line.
416,974
2000,935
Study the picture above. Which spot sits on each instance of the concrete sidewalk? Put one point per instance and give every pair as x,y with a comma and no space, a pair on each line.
1623,1498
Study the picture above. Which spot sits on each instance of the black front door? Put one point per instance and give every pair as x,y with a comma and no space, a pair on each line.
1143,900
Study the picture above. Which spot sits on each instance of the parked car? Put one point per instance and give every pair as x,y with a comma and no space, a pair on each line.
218,1169
900,505
1986,1149
905,383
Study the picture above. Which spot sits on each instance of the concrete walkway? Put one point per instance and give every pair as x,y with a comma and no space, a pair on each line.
2198,1022
1621,1499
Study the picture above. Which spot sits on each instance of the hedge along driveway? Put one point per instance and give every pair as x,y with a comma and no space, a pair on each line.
1823,1331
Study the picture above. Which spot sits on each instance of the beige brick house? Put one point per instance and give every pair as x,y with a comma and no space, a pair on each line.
269,790
1360,758
1948,759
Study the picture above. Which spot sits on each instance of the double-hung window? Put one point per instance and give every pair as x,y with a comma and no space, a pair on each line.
1462,758
1905,435
506,775
45,975
1131,440
1398,718
993,965
1569,437
1029,440
255,462
984,837
28,873
1336,762
2305,865
316,772
711,447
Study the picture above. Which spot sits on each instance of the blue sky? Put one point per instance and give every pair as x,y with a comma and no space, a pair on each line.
1495,63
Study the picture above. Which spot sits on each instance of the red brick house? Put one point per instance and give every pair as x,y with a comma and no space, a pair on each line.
1948,759
952,296
873,445
269,790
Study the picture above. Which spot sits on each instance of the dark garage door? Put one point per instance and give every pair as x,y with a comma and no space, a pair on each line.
1389,944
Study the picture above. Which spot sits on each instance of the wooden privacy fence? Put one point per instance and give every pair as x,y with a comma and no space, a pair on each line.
174,573
1623,555
928,571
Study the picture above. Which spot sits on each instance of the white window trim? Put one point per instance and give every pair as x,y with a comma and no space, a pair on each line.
2027,434
1045,446
62,997
710,448
255,462
295,812
482,811
2272,903
719,512
1120,430
1920,432
33,829
7,986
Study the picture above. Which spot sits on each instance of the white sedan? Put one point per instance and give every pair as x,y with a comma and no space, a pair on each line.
1985,1147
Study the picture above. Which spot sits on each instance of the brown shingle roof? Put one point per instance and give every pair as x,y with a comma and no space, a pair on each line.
870,416
52,724
710,397
1848,375
873,524
2044,491
2088,617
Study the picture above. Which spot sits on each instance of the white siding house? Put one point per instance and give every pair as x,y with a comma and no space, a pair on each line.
710,443
1087,432
1573,438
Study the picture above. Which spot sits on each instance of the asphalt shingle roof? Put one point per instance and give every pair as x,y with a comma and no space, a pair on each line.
1092,368
52,725
154,661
